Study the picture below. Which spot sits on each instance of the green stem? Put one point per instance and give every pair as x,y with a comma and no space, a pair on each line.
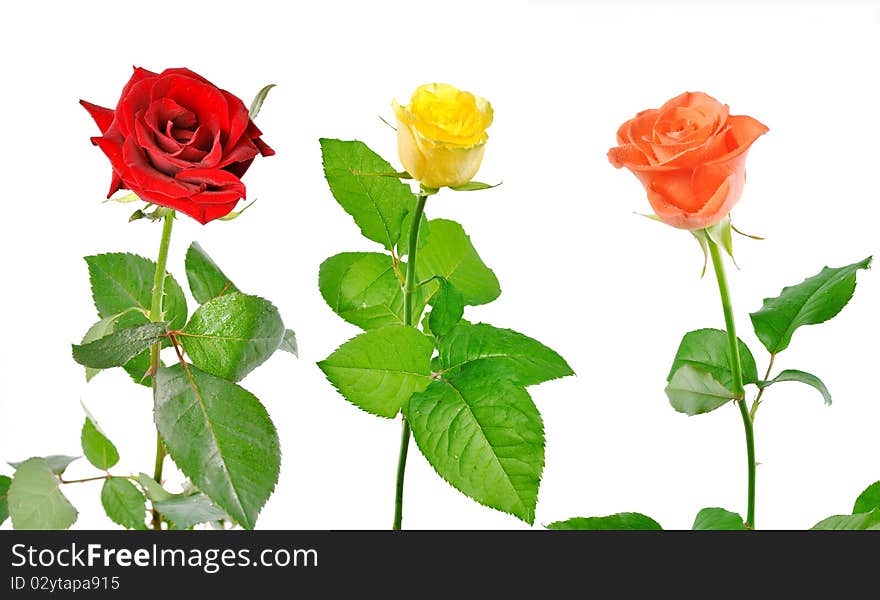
736,369
409,287
157,314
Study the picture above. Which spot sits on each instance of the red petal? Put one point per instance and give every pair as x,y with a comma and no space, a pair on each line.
152,182
214,181
103,116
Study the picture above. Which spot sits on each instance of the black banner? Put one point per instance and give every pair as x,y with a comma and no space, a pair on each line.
416,563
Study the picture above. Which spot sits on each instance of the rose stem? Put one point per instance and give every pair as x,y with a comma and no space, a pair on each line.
157,314
408,318
736,369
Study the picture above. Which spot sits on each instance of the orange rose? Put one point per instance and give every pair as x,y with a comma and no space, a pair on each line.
690,154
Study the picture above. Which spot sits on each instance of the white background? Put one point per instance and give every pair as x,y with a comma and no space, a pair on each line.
611,291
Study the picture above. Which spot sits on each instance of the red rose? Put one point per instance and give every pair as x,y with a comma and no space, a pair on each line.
177,140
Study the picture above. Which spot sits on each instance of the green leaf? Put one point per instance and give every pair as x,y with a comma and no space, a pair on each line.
119,347
859,522
483,434
448,309
449,253
206,280
377,204
718,519
693,391
813,301
96,332
866,502
99,450
232,335
363,288
124,503
35,499
221,437
288,342
258,100
154,491
122,281
380,369
187,511
709,350
4,498
802,377
525,359
58,463
616,522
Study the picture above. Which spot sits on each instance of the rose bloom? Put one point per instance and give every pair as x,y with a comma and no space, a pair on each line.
690,154
441,135
177,140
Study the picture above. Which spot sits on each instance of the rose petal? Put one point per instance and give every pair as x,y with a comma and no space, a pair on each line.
137,101
214,180
205,100
149,179
103,116
741,134
112,149
238,121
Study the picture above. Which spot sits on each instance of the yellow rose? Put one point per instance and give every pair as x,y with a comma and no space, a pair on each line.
441,135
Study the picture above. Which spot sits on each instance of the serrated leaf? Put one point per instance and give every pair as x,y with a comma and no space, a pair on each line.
718,519
221,437
123,283
187,511
616,522
802,377
124,503
448,252
858,522
378,205
709,350
527,360
35,499
813,301
380,369
4,498
483,434
693,391
232,335
363,288
447,309
119,347
58,463
258,100
867,501
206,280
99,450
288,342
